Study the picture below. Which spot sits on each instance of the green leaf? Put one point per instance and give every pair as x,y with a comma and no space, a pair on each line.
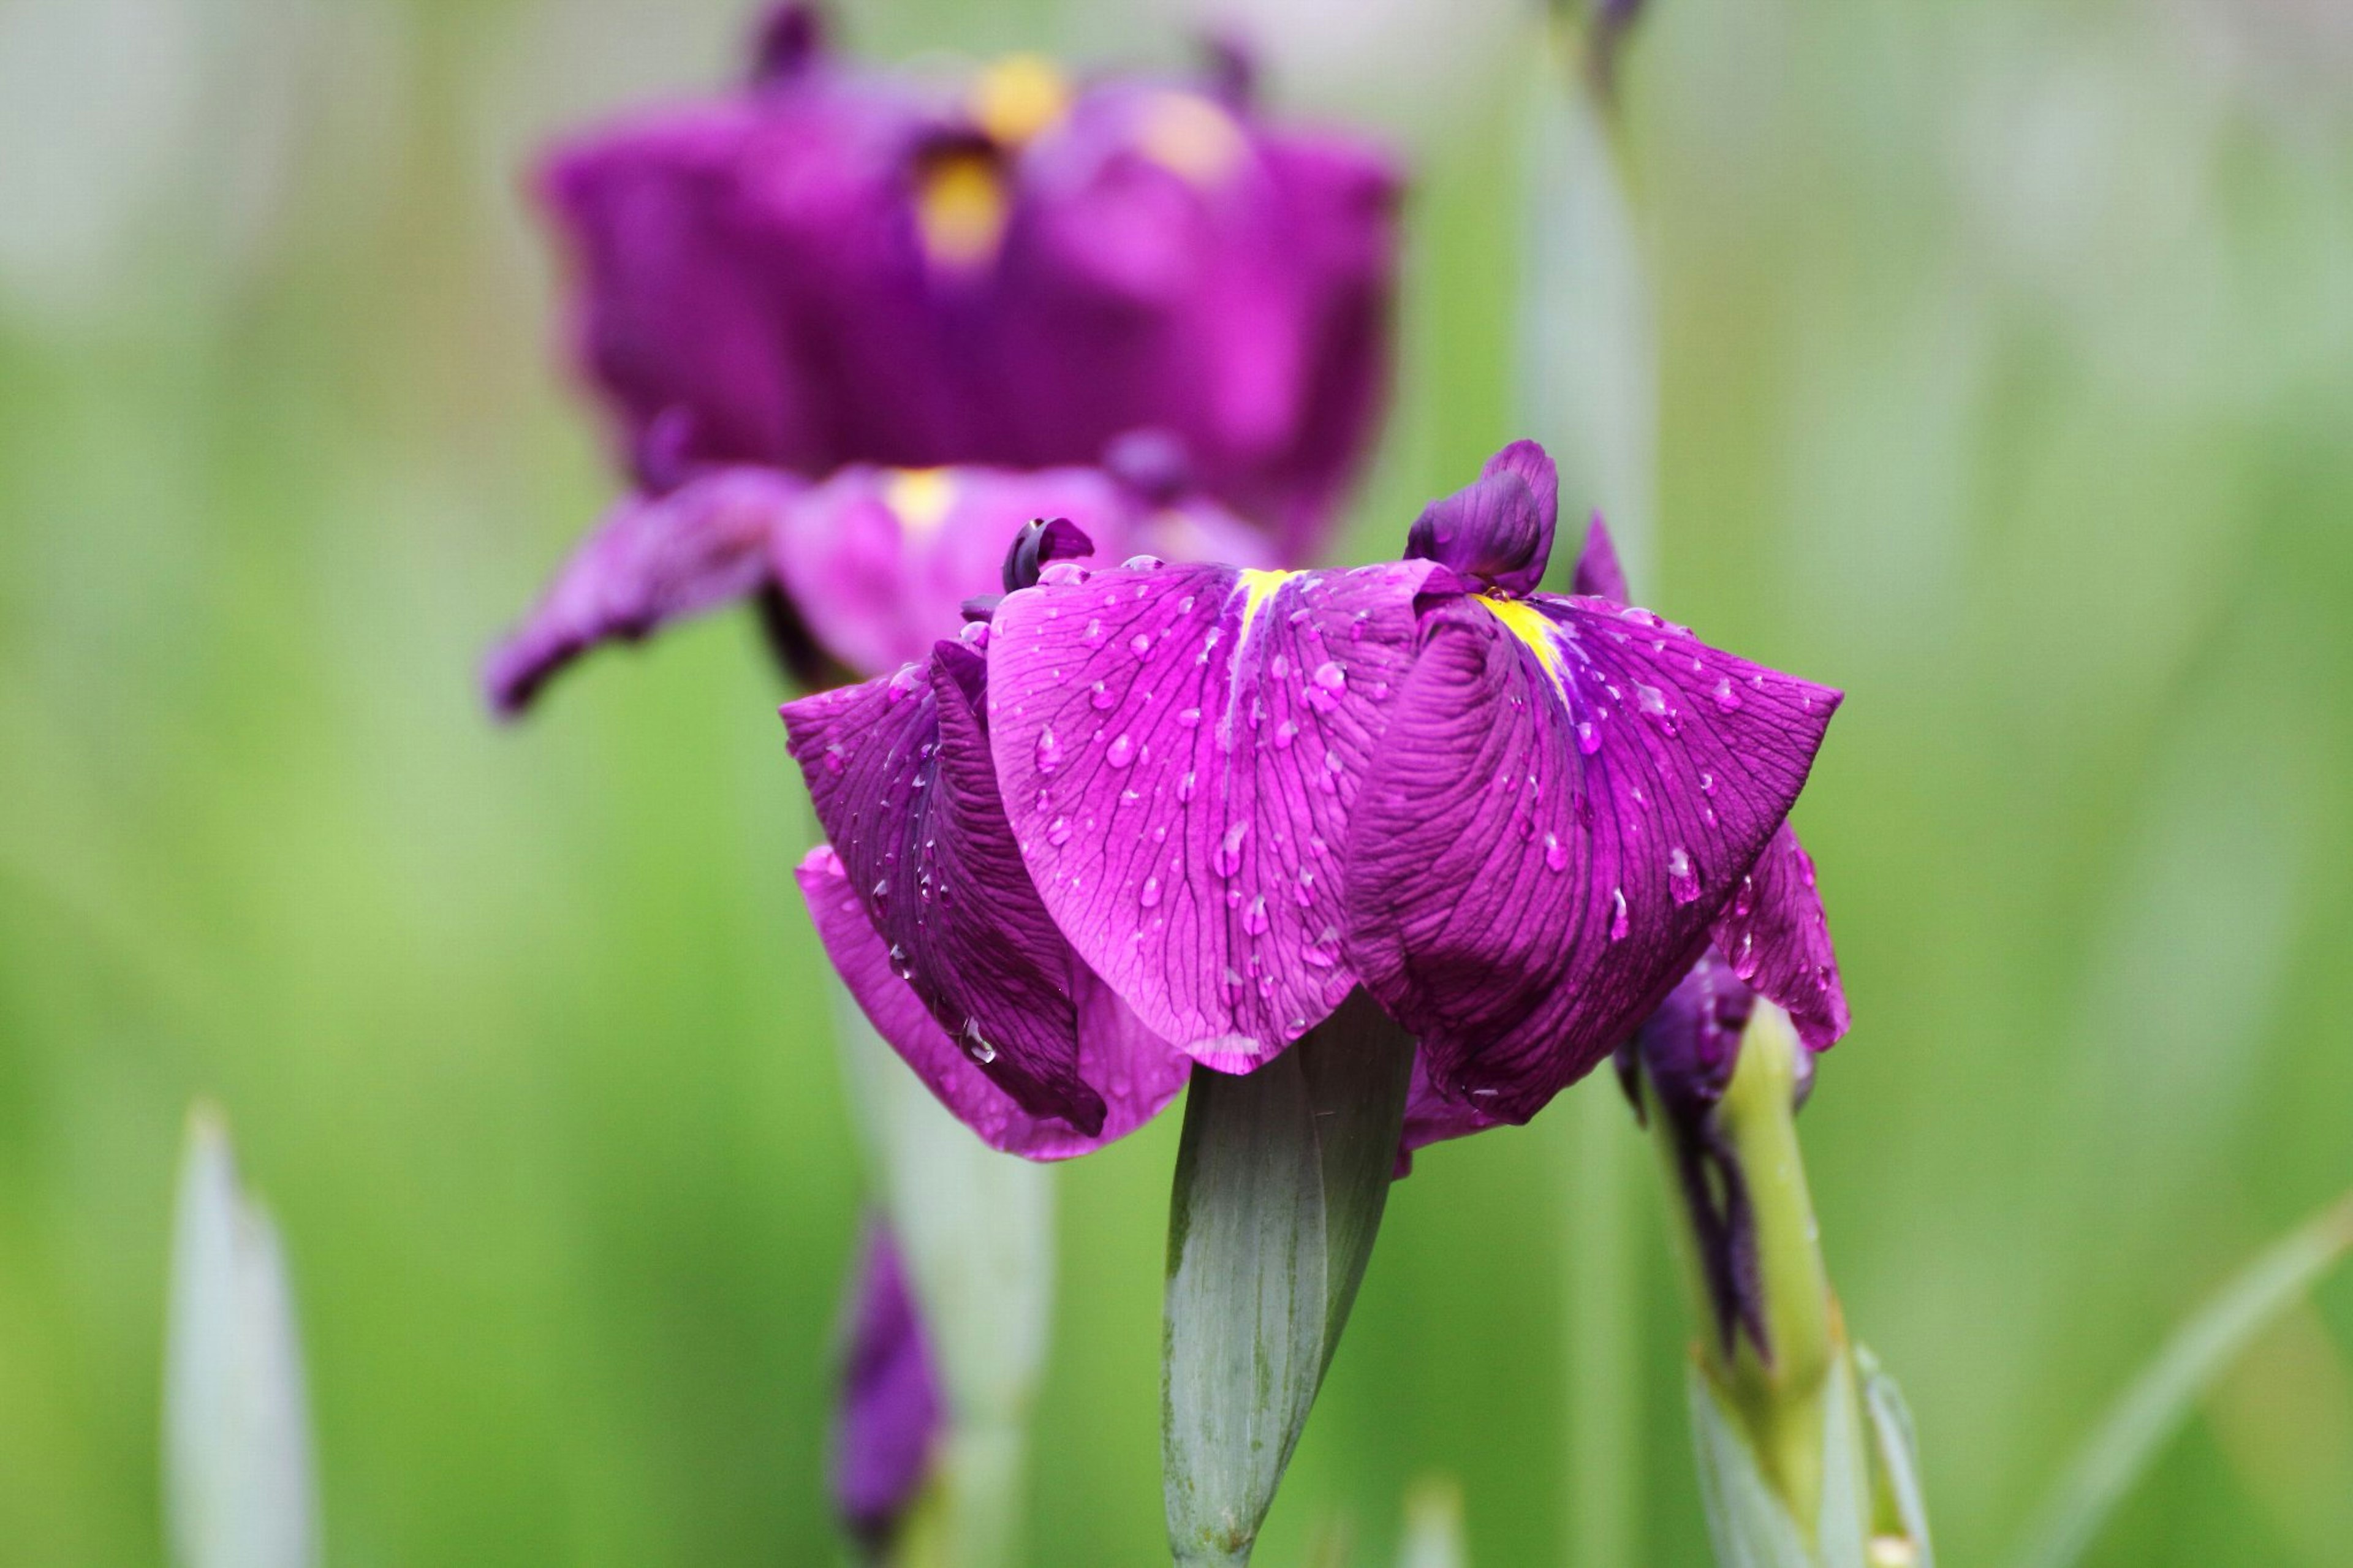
1747,1521
2159,1399
1900,1526
1434,1526
1280,1180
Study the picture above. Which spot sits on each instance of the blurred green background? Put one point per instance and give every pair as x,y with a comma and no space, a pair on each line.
2006,381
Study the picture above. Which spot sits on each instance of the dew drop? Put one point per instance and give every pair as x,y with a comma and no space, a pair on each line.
1061,573
1122,751
1254,918
1284,733
834,759
1058,832
900,965
1189,717
1619,924
1185,786
1143,563
979,1049
1139,645
1589,739
1683,880
1555,853
1101,696
1227,858
1149,894
1094,635
1727,695
1050,752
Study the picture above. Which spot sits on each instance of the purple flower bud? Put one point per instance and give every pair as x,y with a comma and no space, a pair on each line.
888,1421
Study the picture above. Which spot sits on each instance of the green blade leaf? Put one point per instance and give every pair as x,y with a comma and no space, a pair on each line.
1747,1521
1900,1531
2160,1398
1280,1185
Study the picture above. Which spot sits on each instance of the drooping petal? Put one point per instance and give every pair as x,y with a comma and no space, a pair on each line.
654,559
878,561
1598,576
1496,531
1432,1116
1774,936
1566,797
898,769
890,1411
1180,749
1137,1073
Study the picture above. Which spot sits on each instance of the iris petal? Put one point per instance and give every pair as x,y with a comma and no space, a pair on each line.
1180,749
1139,1073
1776,937
653,560
1567,797
898,769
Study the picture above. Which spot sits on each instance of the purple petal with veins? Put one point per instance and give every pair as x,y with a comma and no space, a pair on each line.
1180,749
653,560
1135,1072
1562,803
1774,937
899,772
1497,531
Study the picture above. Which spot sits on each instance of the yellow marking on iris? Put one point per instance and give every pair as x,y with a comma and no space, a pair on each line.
919,499
960,207
1194,137
1257,586
1018,98
1528,624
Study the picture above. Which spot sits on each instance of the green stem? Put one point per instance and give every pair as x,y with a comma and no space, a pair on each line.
1605,1410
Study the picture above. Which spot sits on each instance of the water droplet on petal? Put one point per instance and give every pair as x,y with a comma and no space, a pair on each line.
1189,717
1284,733
1185,786
1122,751
834,759
1727,695
1555,853
900,965
1101,696
1061,573
1139,645
1254,918
1058,831
1050,752
1227,858
1143,563
1589,739
1619,924
1683,880
1149,894
979,1049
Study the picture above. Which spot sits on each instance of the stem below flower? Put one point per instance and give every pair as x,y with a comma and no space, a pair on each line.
1281,1181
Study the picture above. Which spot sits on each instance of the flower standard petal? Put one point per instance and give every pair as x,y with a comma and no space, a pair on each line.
890,1413
898,769
1179,749
1598,576
1774,936
653,560
1497,531
1567,797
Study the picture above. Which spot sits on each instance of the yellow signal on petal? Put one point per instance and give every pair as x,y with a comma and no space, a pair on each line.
1257,586
1018,98
920,499
960,207
1528,624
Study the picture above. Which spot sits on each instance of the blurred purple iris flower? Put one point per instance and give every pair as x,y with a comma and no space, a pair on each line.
834,267
1156,814
891,1413
856,574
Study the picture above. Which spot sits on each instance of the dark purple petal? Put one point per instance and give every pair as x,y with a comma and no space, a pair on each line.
1598,576
1431,1116
1566,797
1774,936
890,1413
789,40
879,562
899,772
653,560
1179,748
1497,531
1135,1072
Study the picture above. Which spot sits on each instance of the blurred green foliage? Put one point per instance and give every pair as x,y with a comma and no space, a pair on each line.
2007,382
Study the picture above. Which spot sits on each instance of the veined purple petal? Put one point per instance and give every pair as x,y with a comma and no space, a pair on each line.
890,1413
653,560
898,769
1598,576
1774,937
1179,748
1495,533
1135,1073
1432,1116
879,560
1566,797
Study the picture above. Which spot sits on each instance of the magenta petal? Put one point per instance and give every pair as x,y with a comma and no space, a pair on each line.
1179,748
878,561
1776,937
898,769
1139,1073
1496,531
1567,796
1432,1116
890,1411
654,559
1598,576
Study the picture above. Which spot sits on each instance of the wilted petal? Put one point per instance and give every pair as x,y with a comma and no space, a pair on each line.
878,561
1137,1073
890,1415
1776,937
1598,576
899,772
1179,748
654,559
1497,531
1567,796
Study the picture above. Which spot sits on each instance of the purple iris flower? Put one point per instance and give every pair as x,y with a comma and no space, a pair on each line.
856,574
1159,813
891,1413
834,265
